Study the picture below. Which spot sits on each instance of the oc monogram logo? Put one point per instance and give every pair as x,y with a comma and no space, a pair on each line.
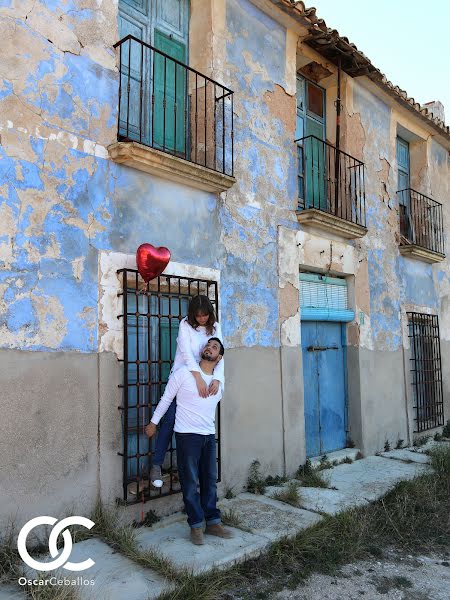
61,561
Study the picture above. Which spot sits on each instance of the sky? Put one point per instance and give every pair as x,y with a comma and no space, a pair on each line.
407,40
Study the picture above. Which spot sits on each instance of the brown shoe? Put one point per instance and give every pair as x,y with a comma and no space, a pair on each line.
219,531
197,536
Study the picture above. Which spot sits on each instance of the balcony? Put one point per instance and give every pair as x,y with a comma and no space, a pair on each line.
173,121
331,192
421,226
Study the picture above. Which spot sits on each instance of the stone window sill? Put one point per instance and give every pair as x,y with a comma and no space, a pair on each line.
420,253
318,219
168,166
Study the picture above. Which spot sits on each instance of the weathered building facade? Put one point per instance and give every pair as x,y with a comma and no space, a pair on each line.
210,129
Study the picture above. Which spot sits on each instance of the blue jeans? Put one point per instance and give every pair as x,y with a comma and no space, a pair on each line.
196,458
164,434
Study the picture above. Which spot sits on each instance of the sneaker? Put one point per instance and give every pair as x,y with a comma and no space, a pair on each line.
156,477
197,536
219,531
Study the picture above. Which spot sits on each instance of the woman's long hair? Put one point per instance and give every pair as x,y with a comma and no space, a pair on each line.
202,304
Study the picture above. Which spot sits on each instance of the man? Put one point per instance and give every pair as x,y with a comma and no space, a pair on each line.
196,442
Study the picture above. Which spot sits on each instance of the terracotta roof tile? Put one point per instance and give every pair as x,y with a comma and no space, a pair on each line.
330,44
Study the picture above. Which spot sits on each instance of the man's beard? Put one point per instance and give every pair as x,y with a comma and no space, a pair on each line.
207,357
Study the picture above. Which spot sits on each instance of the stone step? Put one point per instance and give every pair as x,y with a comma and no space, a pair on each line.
173,542
406,455
337,455
11,592
356,484
115,576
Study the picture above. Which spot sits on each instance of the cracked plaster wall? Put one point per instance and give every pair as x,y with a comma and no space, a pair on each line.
397,283
265,193
61,199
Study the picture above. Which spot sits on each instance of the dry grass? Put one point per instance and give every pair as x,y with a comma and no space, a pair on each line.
414,517
289,494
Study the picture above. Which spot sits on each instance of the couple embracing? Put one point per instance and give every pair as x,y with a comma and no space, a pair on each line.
188,406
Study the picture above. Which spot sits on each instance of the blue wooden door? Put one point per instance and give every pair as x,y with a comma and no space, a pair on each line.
324,375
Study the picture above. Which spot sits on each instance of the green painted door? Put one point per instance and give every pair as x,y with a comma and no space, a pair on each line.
312,163
153,111
169,123
403,187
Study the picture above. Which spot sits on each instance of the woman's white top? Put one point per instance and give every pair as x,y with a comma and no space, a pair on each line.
190,343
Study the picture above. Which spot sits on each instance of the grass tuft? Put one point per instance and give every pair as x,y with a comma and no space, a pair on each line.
421,441
310,476
277,480
289,494
446,430
231,518
123,539
255,482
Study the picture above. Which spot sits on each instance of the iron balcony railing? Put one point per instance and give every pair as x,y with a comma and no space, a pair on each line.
330,180
421,221
164,104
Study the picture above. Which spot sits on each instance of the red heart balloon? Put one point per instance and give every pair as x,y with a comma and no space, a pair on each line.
151,261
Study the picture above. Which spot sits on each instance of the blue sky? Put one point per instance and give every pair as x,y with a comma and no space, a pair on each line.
408,40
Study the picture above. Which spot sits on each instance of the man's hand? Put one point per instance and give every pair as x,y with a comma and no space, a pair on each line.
201,385
214,387
150,429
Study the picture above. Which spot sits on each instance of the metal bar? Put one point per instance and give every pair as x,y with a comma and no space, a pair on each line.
164,103
223,136
206,125
125,386
196,117
128,88
215,129
153,100
232,135
140,94
175,112
120,92
138,385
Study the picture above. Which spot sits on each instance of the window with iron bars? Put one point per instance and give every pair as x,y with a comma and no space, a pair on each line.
151,316
426,370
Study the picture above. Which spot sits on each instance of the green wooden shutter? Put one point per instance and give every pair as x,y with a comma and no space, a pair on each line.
169,89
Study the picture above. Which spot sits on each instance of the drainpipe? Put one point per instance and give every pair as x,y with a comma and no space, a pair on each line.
338,138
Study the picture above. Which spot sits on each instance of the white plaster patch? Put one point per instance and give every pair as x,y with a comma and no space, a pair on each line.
290,331
78,267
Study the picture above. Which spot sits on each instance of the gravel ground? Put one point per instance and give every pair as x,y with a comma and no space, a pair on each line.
394,577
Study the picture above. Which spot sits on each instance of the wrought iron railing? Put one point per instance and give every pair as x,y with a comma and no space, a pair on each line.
426,370
421,221
330,180
166,105
151,316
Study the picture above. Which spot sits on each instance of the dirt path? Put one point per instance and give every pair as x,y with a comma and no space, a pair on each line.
395,577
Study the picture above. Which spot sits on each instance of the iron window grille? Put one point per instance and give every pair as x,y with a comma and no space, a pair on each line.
166,105
426,370
151,317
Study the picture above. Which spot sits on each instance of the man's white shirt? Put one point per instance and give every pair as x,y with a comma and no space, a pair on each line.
194,414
